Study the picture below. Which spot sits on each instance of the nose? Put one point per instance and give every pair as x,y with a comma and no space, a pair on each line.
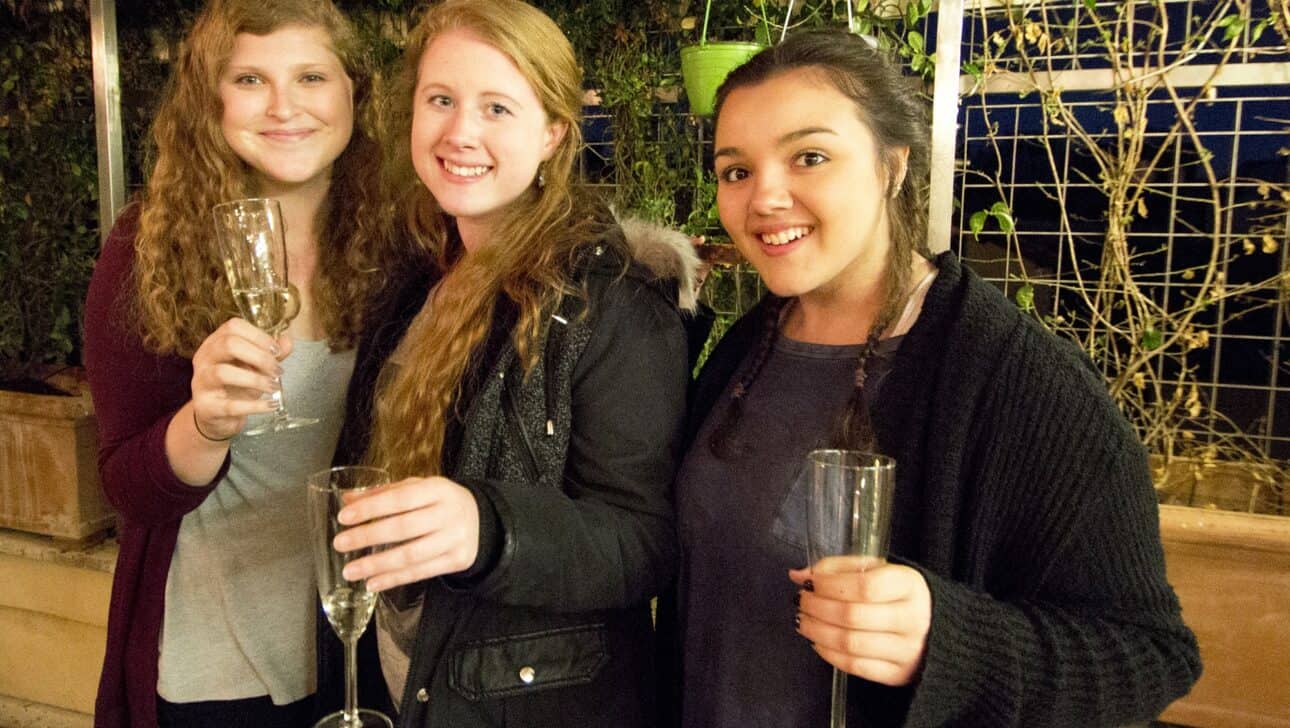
282,104
770,194
462,131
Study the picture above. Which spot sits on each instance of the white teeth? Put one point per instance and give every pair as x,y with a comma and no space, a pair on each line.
464,171
784,237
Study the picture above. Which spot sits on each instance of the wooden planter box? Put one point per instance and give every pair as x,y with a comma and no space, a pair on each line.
49,480
1232,574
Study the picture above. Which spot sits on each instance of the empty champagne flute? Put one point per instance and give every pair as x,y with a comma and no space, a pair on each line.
347,604
848,521
254,250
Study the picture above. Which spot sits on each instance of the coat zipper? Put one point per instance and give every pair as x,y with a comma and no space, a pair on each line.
527,456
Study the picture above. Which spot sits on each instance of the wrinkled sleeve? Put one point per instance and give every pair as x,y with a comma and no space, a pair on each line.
1079,625
608,539
135,395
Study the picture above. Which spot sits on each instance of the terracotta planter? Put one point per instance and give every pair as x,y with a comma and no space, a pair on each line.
1232,574
49,480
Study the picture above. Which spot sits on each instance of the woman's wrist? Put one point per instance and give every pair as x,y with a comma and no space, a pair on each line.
202,433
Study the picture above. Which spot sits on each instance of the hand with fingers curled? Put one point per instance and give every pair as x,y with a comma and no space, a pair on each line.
234,371
429,526
865,617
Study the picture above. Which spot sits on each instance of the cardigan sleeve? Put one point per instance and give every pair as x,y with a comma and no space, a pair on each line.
607,540
1071,622
135,392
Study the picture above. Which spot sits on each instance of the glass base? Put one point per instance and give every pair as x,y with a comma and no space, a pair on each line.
367,718
280,424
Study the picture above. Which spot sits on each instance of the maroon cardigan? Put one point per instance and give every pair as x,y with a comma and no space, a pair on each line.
136,392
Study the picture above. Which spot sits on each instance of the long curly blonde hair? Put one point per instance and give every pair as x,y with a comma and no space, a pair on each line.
532,250
181,293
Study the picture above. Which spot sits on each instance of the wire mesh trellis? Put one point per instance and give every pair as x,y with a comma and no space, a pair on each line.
1159,246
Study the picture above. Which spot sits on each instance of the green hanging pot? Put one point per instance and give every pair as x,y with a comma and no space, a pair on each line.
705,66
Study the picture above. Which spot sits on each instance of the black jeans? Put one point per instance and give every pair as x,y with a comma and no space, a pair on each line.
247,713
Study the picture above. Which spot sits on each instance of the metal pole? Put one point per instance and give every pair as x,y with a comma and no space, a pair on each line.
107,113
945,112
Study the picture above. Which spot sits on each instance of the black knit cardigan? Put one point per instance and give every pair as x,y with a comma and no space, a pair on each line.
1024,498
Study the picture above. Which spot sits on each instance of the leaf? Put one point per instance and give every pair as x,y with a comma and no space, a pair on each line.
973,70
1152,339
1025,297
1270,244
1003,216
1142,207
977,222
1090,5
1258,30
915,41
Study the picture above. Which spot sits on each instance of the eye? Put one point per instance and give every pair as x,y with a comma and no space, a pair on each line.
810,159
247,79
440,100
733,173
313,78
496,109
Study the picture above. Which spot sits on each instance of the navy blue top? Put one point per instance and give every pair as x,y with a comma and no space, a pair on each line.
742,526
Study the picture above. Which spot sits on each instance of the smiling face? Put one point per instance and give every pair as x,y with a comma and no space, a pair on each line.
802,188
288,106
479,131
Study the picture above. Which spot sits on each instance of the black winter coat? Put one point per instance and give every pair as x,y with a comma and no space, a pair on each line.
572,468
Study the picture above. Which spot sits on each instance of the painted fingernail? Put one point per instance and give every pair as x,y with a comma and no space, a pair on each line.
808,585
797,599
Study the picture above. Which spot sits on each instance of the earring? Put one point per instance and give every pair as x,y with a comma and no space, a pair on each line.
541,178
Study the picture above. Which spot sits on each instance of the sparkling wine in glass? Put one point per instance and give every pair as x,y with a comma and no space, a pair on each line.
254,250
347,604
848,521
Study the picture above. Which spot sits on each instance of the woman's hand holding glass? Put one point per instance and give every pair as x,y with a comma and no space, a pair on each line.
430,525
868,622
233,370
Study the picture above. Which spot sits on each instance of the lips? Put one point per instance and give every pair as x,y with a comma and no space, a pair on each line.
287,135
784,236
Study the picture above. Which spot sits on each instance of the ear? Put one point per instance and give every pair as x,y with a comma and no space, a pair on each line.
898,167
555,132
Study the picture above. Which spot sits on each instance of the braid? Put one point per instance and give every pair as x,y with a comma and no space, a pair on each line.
721,443
853,429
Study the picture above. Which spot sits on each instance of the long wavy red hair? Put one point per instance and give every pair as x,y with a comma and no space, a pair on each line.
538,238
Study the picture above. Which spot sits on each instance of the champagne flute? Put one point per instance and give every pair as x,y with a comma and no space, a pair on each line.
848,521
347,604
254,250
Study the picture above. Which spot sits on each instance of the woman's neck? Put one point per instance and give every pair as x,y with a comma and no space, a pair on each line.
845,314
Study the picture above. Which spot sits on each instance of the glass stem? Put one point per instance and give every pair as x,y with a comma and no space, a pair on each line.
351,684
279,404
838,706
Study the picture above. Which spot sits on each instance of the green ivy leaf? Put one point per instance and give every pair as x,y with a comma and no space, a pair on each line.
1152,339
915,41
1003,215
1026,298
977,222
974,70
1090,5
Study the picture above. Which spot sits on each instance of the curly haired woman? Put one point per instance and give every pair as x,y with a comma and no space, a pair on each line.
213,607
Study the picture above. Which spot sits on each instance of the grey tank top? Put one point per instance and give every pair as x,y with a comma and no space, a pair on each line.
241,594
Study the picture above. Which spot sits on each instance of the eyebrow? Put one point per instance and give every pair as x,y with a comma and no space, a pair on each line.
792,136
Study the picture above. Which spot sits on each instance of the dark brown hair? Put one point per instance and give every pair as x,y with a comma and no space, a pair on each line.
892,107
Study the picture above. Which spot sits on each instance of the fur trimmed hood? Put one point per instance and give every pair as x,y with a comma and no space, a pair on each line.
667,253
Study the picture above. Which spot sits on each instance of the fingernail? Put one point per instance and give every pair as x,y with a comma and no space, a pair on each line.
345,516
350,573
808,585
797,599
274,350
279,370
277,383
797,621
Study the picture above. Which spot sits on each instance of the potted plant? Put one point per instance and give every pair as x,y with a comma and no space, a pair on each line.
706,65
48,243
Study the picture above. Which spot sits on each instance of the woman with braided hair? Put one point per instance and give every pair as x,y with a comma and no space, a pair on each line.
1026,582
